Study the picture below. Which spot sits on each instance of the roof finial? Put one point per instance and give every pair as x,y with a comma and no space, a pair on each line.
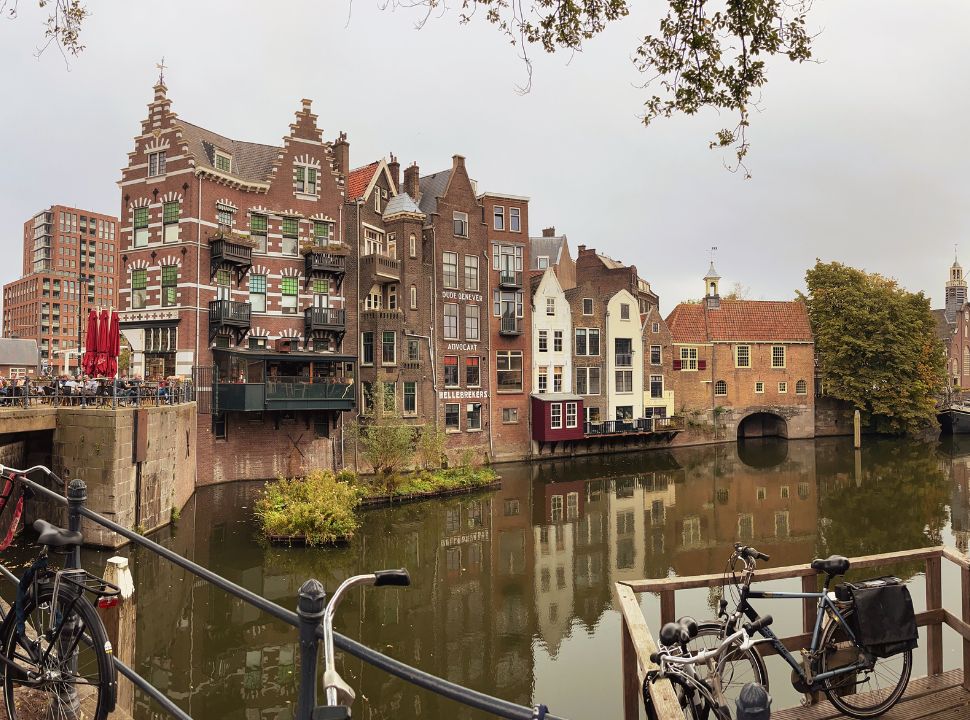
161,71
713,252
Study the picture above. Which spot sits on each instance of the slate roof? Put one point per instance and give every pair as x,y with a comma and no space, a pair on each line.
550,247
944,328
401,203
433,186
736,320
251,162
18,352
359,179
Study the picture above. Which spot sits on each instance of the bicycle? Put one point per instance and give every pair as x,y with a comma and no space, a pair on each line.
55,657
699,698
855,680
339,695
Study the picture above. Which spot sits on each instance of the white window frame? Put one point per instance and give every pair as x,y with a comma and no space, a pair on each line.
588,301
688,359
718,384
572,411
746,350
471,273
543,341
542,262
414,297
515,219
445,257
220,155
444,316
413,245
550,307
784,356
660,354
473,312
460,224
555,416
783,387
498,217
156,163
759,387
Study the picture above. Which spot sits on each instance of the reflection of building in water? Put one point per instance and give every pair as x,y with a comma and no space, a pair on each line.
959,472
553,582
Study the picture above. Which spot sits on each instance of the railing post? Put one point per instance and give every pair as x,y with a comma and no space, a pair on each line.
310,607
630,676
965,608
809,610
668,606
77,494
119,623
934,631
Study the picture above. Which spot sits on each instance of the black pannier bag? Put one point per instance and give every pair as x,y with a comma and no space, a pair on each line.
884,621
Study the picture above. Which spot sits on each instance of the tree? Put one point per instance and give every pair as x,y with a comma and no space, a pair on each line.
385,441
63,24
877,346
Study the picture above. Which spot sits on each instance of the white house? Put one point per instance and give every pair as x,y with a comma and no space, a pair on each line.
624,358
552,337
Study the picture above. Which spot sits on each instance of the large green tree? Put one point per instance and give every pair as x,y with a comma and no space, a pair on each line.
877,346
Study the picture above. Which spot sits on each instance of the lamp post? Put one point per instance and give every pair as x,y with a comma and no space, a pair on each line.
83,280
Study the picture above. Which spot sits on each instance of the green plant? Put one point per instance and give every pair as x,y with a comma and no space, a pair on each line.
468,458
317,507
430,446
174,514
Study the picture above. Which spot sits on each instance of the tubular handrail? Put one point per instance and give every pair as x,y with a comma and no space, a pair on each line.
440,686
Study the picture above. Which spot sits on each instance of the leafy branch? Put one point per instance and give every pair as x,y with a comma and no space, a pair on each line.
62,26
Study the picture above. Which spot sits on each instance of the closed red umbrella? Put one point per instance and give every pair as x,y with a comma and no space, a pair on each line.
104,342
90,349
114,344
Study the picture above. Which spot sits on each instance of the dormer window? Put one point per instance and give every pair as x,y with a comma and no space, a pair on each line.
305,180
380,195
223,162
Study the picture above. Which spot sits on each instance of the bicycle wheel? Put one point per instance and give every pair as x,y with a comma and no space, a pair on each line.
735,667
866,693
65,673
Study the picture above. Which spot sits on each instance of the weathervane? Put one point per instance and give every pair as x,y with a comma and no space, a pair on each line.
161,71
713,251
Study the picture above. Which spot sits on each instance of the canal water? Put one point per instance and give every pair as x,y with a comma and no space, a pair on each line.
511,590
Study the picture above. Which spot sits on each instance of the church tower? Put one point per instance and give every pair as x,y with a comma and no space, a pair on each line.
956,292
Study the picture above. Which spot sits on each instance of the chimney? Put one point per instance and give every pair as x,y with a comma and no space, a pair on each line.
457,161
395,168
412,184
549,231
581,250
341,153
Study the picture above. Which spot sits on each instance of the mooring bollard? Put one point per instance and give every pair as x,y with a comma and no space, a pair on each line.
310,608
77,494
119,622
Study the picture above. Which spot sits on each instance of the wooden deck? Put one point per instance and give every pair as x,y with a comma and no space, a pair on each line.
938,696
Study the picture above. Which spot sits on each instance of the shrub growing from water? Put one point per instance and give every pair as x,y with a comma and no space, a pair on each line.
317,507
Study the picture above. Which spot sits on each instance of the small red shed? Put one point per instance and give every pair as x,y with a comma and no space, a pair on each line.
557,416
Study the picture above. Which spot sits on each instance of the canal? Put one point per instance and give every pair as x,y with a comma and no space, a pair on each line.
511,589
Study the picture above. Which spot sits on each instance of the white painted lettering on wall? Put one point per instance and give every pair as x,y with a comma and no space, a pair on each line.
462,346
463,394
454,295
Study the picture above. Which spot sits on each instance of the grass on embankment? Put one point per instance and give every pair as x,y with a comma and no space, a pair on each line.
322,507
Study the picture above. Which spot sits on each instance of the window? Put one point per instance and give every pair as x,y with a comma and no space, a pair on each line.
388,348
473,376
412,245
139,292
777,356
624,311
140,223
305,180
759,387
170,221
156,163
414,297
390,396
510,416
783,387
257,292
543,341
373,242
170,274
720,388
452,420
624,381
742,356
555,416
451,321
499,217
550,306
288,286
377,200
322,233
588,341
414,350
515,220
571,414
225,217
223,162
508,304
257,343
257,232
392,296
587,306
374,299
655,328
471,272
543,379
688,358
367,348
508,367
656,386
557,379
461,224
656,355
801,388
451,370
473,416
588,381
472,322
410,398
542,262
557,340
291,232
449,269
623,352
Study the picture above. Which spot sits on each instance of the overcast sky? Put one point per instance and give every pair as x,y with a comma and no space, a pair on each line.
863,158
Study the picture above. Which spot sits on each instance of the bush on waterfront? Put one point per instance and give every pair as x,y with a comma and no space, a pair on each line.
318,507
424,481
430,447
385,441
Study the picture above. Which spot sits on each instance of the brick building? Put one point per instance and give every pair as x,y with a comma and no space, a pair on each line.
953,328
746,365
507,229
69,265
233,261
552,251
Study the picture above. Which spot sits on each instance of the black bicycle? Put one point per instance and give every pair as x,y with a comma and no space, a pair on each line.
54,653
858,679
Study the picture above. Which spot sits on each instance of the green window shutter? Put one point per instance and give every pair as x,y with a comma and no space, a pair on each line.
291,226
141,217
170,213
288,285
257,224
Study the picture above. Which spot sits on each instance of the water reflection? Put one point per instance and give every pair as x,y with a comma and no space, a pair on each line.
509,586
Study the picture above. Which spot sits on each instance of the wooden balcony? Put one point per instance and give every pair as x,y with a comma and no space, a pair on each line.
285,393
380,269
225,253
319,318
229,315
319,262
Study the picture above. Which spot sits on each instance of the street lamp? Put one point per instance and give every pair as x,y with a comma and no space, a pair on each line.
85,280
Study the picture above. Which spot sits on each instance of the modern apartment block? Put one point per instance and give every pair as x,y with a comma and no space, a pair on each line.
70,260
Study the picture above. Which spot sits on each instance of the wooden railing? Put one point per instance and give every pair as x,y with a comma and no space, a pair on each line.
637,641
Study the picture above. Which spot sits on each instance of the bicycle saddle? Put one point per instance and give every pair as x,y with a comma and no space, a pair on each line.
53,536
832,565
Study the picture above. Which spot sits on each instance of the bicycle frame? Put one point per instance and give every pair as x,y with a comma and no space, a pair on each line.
824,602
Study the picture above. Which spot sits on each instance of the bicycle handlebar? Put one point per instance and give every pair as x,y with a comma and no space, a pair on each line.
745,635
400,578
749,553
758,625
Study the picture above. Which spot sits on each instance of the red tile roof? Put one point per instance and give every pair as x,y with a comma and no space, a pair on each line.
755,320
359,179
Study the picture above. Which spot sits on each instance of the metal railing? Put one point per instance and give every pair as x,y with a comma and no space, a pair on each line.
510,325
109,393
321,317
310,605
624,359
510,278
